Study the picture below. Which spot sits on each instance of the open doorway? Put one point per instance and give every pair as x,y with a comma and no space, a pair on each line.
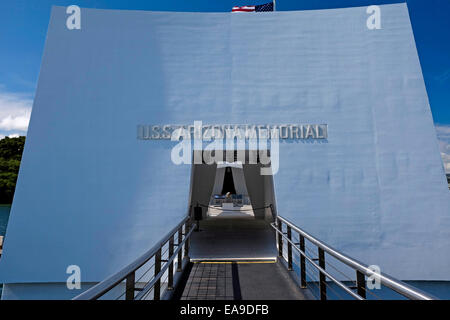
228,181
238,206
229,196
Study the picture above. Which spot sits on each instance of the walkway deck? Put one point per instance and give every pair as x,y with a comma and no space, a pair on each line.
234,257
233,239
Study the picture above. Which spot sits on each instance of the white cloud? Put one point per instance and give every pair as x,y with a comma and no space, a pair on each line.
13,135
15,111
443,134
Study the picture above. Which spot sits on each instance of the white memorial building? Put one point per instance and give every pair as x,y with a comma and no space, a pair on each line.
104,174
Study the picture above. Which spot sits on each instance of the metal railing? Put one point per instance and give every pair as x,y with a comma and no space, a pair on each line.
161,266
362,270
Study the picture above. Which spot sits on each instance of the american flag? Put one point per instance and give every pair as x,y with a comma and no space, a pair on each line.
258,8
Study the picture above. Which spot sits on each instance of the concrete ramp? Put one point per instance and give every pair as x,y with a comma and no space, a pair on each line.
233,239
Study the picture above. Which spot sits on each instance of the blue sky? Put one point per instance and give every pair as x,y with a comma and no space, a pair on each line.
23,27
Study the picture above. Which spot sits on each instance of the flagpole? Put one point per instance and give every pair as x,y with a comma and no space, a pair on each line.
274,5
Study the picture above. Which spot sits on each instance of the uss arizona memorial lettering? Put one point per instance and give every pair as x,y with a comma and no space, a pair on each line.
257,136
239,131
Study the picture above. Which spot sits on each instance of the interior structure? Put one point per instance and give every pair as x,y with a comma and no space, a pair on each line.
238,205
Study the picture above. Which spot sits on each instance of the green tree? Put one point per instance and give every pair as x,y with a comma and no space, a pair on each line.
10,155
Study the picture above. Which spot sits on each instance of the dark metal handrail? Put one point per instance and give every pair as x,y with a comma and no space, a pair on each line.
128,272
361,269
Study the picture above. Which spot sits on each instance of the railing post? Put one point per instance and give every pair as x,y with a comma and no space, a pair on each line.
302,263
186,244
170,275
280,237
157,286
289,235
323,284
130,286
180,252
361,284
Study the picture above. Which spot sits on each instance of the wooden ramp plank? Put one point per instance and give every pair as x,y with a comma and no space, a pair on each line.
241,280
